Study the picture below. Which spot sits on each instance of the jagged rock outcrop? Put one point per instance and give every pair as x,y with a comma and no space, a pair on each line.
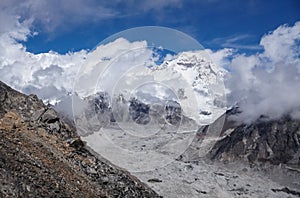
99,112
42,156
262,142
274,141
139,111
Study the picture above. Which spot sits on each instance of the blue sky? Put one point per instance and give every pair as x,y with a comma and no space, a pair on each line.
215,24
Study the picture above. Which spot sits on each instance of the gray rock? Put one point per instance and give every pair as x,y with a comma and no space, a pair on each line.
37,114
139,111
50,116
54,126
76,143
274,141
154,180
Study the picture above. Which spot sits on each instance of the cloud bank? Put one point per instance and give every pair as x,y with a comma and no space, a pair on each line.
54,15
50,75
268,83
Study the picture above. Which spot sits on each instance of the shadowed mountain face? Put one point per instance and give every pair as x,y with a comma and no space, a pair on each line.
41,155
139,112
262,142
274,141
134,110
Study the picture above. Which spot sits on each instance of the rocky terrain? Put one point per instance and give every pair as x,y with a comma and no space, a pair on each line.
264,141
256,160
41,156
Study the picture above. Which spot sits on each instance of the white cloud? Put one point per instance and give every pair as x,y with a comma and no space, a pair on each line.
66,15
236,42
109,61
268,83
220,57
56,14
43,73
283,44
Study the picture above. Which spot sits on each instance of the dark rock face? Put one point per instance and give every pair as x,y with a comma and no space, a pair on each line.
275,141
173,112
101,102
50,116
42,156
107,112
99,106
139,111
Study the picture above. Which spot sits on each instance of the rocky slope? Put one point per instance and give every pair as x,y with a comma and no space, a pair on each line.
41,156
264,141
